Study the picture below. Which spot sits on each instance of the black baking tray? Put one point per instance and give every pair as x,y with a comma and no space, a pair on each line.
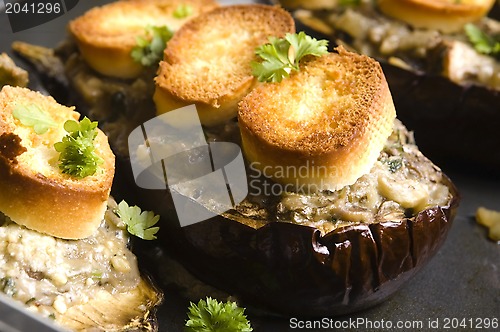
461,284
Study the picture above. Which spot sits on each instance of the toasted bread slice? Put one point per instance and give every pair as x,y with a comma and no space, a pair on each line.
33,191
323,127
444,15
106,35
207,62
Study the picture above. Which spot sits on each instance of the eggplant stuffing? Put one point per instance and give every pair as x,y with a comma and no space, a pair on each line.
92,283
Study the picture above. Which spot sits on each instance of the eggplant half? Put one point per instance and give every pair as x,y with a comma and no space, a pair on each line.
452,115
283,264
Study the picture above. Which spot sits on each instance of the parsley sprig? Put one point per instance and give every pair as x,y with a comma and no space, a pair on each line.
482,42
211,315
32,115
282,55
139,223
77,151
149,48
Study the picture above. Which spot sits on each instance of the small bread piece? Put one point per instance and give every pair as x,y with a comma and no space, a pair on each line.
33,191
444,15
490,219
106,35
323,127
207,62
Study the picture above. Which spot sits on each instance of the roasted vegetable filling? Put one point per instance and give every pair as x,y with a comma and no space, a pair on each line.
456,56
50,275
402,183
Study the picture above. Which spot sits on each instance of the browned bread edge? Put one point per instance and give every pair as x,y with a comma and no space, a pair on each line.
61,205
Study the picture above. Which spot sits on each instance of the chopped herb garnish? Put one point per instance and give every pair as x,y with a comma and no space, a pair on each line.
282,55
77,152
482,42
214,316
33,116
31,300
8,286
139,223
183,11
394,164
150,47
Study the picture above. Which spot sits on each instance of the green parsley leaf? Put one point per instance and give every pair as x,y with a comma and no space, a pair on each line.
183,11
149,48
214,316
77,156
33,116
282,55
482,42
139,223
8,286
394,164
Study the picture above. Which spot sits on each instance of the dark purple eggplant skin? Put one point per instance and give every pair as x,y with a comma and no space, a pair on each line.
292,270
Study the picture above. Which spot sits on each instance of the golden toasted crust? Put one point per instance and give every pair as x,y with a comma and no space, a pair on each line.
444,15
33,191
309,4
329,121
207,62
106,35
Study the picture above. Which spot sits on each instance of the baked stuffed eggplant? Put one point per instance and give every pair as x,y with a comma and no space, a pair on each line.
276,259
327,252
53,278
436,77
